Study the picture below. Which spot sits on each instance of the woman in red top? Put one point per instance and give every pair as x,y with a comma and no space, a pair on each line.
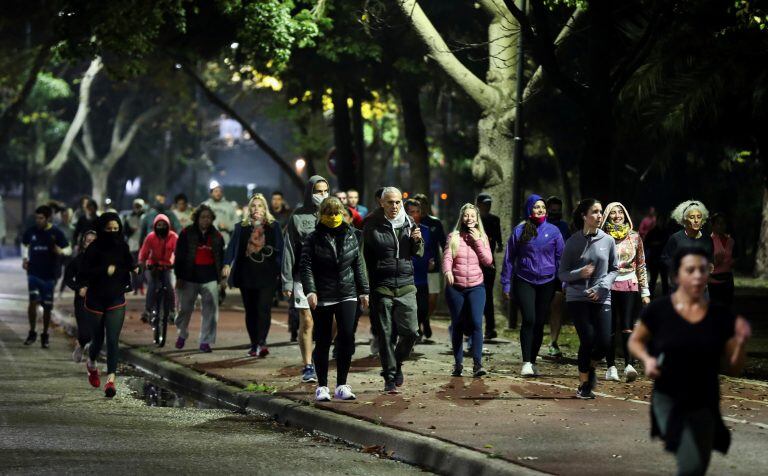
158,251
721,280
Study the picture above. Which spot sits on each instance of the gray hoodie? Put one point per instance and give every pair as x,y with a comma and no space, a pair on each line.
301,223
579,251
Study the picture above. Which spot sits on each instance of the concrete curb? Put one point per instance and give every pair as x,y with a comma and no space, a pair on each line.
429,453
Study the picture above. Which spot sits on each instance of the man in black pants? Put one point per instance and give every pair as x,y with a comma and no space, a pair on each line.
492,225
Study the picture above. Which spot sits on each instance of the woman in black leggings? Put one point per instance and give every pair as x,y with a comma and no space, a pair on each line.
589,267
106,277
333,277
81,315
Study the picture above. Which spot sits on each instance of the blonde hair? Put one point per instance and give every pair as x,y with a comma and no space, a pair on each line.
456,235
680,211
331,206
247,220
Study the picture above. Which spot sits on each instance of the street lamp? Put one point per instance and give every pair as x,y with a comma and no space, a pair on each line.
300,164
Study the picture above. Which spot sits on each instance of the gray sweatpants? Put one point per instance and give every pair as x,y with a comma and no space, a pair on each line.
400,313
696,440
209,295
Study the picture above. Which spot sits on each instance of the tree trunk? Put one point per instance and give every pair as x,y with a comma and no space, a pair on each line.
417,154
99,180
761,258
359,136
342,137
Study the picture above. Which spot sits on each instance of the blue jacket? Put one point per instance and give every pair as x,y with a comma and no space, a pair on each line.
238,243
535,261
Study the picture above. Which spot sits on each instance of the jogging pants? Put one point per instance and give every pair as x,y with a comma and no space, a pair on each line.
110,324
623,317
344,312
696,438
394,313
593,325
534,301
258,313
474,299
83,319
209,294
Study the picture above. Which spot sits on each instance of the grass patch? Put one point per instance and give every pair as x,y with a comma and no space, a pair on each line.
260,388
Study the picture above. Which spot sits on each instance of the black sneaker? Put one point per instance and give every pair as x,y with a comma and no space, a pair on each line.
584,392
457,369
44,340
390,387
592,379
490,335
427,330
31,338
478,371
399,377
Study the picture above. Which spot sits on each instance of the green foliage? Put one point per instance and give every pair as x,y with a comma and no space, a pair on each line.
260,388
47,89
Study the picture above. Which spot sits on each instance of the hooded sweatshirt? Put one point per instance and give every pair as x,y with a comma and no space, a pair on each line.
108,249
535,261
633,276
581,250
157,250
300,225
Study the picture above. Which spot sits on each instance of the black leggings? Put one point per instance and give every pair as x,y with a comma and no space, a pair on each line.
722,293
345,339
258,313
112,321
623,317
593,324
83,319
534,301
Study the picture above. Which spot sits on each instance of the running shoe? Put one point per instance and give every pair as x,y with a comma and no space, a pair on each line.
77,354
322,394
206,348
457,369
554,350
490,335
612,374
592,378
584,392
343,392
630,374
527,370
399,379
390,387
478,371
309,374
263,351
254,352
93,375
180,341
110,390
44,340
427,330
31,338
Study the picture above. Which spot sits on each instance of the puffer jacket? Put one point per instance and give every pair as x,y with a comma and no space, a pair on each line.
156,250
388,252
331,265
470,257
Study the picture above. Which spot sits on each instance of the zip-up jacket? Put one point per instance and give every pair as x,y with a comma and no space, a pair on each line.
388,252
157,250
331,265
535,261
467,264
581,250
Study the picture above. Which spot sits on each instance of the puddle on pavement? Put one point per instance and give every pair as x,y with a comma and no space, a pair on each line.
158,393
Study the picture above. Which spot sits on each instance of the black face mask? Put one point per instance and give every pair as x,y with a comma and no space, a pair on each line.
555,216
113,236
162,232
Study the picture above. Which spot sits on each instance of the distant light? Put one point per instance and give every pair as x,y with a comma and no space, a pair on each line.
177,65
443,196
405,194
300,164
234,45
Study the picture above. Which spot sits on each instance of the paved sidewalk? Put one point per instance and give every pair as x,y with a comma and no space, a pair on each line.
532,422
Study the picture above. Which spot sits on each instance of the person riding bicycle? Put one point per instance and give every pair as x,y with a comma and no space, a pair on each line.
158,253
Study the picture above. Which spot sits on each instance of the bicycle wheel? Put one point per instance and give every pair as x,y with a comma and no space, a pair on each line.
156,326
164,329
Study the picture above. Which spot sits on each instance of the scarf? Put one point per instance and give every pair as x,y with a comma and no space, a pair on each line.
331,221
618,232
256,241
399,220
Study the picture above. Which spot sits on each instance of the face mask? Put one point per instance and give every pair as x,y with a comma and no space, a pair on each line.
317,198
555,216
113,236
539,220
332,221
162,232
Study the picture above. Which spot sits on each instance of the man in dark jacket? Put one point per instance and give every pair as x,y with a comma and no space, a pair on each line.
199,260
492,225
389,243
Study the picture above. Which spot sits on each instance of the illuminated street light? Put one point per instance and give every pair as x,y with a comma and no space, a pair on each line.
300,164
234,45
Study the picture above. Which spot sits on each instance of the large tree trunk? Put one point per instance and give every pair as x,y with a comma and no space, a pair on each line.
417,154
99,180
359,141
761,258
342,137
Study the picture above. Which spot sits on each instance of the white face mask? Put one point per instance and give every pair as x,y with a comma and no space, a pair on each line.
317,198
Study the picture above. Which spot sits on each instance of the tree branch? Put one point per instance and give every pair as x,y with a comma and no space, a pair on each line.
484,95
87,139
117,128
81,157
77,122
221,104
498,9
118,147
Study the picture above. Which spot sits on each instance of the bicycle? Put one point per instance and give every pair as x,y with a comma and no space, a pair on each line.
158,320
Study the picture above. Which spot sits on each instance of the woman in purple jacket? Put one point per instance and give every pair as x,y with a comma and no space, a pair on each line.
529,275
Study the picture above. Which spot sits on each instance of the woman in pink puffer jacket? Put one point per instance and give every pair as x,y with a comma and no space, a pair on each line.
466,252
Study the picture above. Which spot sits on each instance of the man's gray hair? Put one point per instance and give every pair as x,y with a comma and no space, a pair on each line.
388,190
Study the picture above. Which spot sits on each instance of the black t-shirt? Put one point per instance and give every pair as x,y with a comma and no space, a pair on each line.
43,261
691,352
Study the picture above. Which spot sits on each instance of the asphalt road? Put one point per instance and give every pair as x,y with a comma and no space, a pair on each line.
53,422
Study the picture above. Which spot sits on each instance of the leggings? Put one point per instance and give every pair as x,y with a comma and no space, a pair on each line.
489,278
345,340
112,321
83,319
593,325
258,313
722,293
696,437
624,315
474,299
534,301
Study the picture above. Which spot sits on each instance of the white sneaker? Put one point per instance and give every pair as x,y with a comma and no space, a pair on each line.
322,394
612,374
344,392
630,374
527,370
77,354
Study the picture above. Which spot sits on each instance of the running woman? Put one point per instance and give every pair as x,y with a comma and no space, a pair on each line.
105,275
464,256
41,247
81,315
253,260
333,276
589,266
685,342
691,215
529,275
631,285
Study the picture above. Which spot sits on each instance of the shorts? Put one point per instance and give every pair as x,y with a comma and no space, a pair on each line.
100,305
41,290
435,282
299,299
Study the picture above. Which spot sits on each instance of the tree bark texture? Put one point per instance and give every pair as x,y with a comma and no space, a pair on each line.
342,138
359,141
761,258
417,153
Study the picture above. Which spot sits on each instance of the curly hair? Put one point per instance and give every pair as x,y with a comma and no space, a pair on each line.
680,211
199,211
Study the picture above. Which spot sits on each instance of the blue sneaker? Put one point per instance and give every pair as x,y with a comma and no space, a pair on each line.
308,374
